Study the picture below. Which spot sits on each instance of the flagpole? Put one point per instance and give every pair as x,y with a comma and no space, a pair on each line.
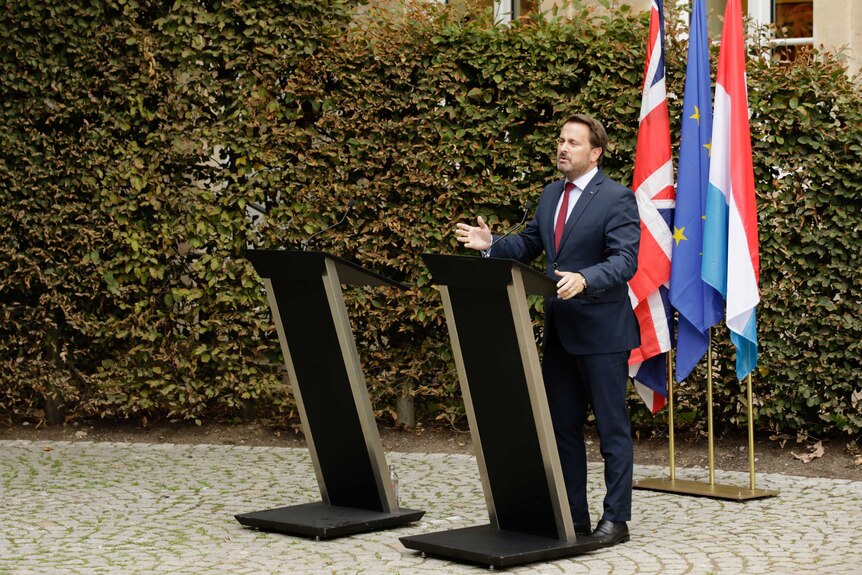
671,484
729,190
672,455
709,429
750,434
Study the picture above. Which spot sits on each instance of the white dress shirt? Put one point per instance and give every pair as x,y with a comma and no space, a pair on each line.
575,194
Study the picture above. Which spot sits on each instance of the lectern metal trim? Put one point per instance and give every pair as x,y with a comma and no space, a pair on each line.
304,291
541,412
468,404
524,489
347,342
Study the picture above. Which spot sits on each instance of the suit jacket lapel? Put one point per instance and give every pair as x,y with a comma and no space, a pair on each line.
586,196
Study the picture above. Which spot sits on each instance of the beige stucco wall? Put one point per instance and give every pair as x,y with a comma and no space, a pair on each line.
837,26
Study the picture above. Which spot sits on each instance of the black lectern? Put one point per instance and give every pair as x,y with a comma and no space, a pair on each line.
487,312
304,292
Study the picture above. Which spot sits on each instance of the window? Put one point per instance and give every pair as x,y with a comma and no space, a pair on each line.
793,20
507,10
794,24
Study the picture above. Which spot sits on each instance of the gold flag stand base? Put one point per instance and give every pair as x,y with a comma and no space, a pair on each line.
700,489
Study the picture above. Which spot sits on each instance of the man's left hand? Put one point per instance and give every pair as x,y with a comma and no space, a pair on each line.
570,284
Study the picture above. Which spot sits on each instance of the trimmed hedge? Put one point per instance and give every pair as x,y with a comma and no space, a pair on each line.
136,135
126,128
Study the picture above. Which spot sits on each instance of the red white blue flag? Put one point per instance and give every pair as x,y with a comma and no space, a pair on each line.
653,188
731,255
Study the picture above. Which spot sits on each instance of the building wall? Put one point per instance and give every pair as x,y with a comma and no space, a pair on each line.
837,23
837,27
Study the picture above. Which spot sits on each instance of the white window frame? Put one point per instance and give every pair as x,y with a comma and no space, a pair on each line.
504,11
507,10
760,11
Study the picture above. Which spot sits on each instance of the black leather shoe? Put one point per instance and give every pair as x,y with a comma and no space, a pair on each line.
583,528
608,533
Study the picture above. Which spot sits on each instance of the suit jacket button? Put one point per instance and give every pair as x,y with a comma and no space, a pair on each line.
555,265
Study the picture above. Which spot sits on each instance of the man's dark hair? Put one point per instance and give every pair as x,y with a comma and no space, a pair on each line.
598,135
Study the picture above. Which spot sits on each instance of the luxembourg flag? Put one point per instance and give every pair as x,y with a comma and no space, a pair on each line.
731,258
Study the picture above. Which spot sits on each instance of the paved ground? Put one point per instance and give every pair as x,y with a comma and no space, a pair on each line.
98,508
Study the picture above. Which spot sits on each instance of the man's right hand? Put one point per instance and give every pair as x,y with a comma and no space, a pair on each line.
474,237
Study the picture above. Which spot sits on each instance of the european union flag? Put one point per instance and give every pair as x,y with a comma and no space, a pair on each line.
698,304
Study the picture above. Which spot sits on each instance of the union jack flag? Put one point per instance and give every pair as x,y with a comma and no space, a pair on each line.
653,187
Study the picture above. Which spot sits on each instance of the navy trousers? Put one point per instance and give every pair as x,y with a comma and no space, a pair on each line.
574,382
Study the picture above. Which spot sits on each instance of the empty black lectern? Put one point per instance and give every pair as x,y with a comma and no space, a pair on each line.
485,300
304,292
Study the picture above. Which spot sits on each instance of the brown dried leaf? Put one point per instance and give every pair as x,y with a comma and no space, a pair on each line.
814,452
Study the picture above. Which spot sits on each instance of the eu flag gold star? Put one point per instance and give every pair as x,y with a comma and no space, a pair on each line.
678,234
708,148
696,115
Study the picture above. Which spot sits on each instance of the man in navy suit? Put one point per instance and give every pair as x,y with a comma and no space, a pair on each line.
588,225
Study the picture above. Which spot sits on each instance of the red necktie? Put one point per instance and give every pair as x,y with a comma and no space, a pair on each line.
561,217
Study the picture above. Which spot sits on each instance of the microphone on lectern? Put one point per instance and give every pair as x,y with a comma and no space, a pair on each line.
527,207
306,241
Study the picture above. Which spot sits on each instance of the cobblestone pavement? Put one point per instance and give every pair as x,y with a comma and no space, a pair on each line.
94,508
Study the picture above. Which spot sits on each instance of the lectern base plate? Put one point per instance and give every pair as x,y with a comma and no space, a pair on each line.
487,545
323,521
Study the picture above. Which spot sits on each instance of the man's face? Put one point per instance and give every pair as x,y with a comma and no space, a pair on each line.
575,155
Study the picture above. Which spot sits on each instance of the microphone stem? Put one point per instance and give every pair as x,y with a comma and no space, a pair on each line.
305,242
513,228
